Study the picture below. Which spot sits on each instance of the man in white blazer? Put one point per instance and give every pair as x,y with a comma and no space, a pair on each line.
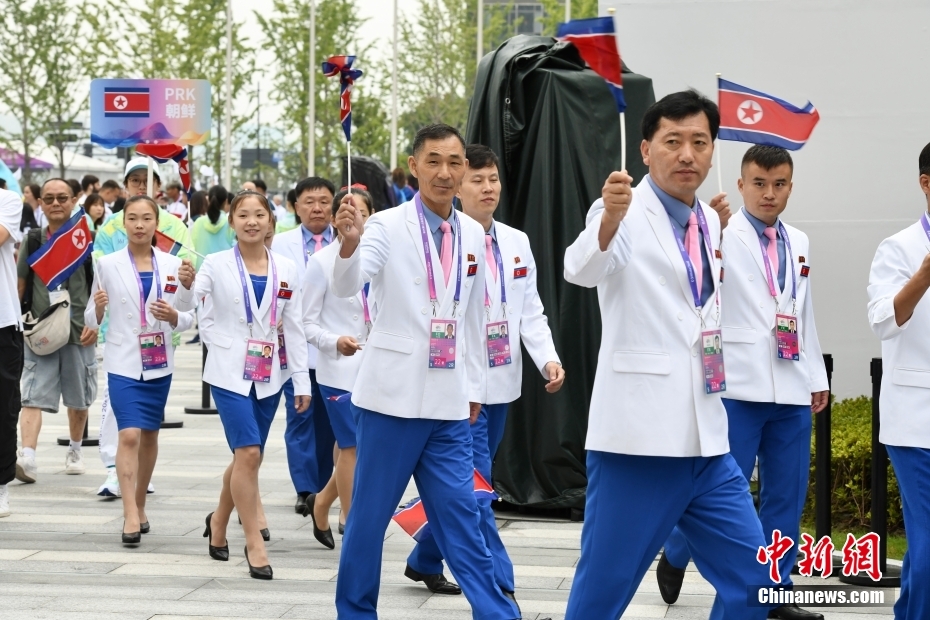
512,307
657,430
772,386
309,437
416,390
899,313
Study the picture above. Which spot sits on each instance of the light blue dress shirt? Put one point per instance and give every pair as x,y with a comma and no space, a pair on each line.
433,222
309,243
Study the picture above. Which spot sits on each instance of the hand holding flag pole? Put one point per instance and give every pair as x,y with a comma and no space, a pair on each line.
342,66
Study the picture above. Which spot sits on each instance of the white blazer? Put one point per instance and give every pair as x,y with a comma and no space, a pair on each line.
754,372
649,397
218,278
113,273
905,398
525,319
394,377
326,317
291,245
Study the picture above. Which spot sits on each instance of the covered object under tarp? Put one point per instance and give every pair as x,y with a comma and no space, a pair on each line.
555,127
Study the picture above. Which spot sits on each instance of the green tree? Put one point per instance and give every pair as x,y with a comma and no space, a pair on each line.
554,13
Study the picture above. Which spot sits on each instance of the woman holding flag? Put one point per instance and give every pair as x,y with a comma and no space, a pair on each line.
151,295
259,291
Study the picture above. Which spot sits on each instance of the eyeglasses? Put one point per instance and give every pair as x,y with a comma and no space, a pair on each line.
62,198
137,182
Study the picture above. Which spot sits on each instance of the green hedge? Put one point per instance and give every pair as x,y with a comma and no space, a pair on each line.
852,470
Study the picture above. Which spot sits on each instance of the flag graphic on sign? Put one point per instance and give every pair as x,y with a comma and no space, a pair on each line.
65,251
342,66
748,115
596,40
126,102
411,517
166,244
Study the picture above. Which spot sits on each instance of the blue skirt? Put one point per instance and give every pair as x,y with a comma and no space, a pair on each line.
137,403
246,419
339,408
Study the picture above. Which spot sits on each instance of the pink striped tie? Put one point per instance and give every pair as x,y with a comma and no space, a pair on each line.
445,253
693,245
772,252
489,255
317,243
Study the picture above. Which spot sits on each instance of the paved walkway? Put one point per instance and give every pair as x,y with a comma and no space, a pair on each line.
61,556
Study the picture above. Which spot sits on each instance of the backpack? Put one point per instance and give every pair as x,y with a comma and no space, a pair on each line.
33,243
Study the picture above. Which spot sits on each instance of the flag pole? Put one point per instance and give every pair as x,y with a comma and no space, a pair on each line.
349,159
311,103
150,178
227,94
394,96
480,30
718,146
611,12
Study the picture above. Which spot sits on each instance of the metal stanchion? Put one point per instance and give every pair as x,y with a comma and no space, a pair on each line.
204,408
823,513
891,575
86,441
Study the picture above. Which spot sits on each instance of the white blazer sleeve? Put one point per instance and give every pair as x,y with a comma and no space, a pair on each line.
203,282
476,355
585,264
294,332
184,300
818,371
890,272
314,292
534,326
90,312
351,274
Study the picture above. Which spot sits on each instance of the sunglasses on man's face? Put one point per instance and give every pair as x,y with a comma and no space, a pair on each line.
62,198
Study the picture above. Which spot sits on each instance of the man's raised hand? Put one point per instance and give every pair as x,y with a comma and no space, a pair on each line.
349,224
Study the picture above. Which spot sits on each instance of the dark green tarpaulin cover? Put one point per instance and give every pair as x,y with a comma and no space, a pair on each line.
555,126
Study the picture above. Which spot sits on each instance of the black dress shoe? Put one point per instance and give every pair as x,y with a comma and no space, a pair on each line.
793,612
265,532
144,528
670,580
258,572
133,538
437,584
217,553
513,598
342,529
301,506
325,537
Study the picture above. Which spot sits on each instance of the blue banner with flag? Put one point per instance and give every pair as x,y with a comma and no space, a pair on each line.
65,251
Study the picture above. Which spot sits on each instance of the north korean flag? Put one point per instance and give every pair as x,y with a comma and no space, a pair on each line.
126,102
748,115
64,253
412,516
596,40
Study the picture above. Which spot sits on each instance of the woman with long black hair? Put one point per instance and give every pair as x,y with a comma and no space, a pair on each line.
212,233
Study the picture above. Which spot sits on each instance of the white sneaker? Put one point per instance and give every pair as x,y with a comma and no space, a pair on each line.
74,462
150,489
26,470
4,501
110,488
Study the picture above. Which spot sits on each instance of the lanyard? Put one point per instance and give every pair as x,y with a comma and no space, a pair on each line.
499,263
365,308
245,289
424,235
769,267
926,224
156,282
692,278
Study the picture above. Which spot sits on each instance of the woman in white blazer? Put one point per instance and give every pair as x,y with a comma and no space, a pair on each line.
338,327
254,293
151,297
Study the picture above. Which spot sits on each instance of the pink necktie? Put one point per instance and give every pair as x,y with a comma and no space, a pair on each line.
772,251
693,245
489,255
317,243
445,253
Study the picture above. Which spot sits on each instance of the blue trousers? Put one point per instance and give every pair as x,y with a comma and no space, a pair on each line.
781,436
438,454
486,435
309,440
631,506
912,467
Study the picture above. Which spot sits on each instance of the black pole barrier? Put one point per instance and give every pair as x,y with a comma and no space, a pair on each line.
204,408
86,441
891,576
823,514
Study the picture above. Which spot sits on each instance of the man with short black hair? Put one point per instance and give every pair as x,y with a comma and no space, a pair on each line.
69,374
109,191
89,185
11,342
657,449
774,384
176,201
308,436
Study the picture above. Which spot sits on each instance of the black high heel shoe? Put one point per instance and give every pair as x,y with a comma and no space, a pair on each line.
324,537
266,534
133,538
217,553
258,572
144,528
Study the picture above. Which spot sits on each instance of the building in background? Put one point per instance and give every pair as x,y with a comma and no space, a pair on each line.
525,16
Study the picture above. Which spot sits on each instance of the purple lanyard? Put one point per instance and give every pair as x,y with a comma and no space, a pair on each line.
156,282
246,286
499,263
692,279
789,259
926,225
424,235
365,309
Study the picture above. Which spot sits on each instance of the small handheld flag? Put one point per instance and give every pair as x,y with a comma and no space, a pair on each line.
748,115
168,245
342,66
64,253
596,40
411,517
162,153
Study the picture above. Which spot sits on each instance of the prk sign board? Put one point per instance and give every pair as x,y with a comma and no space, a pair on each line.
129,112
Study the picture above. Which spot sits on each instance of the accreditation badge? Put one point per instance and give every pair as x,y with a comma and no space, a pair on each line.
786,337
498,337
258,355
712,357
442,335
282,352
154,353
